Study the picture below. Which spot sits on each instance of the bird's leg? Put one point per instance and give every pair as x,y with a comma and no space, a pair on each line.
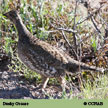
63,83
44,82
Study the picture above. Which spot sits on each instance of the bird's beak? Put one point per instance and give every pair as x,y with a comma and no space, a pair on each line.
5,14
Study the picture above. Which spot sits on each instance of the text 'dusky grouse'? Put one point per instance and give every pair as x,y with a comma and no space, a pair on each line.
43,58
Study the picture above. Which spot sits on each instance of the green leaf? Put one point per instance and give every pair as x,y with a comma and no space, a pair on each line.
94,43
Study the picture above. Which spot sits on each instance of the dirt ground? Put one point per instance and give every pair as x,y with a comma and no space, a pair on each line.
15,86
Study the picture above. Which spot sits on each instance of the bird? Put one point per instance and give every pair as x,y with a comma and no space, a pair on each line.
43,58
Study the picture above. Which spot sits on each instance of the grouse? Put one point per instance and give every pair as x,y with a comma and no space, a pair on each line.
42,57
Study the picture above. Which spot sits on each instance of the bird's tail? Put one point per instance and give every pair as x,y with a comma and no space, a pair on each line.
75,66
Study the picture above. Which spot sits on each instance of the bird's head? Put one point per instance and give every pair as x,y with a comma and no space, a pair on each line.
12,15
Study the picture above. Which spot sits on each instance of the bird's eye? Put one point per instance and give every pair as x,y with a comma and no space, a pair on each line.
12,15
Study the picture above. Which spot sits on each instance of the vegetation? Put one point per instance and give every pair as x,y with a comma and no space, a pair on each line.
77,28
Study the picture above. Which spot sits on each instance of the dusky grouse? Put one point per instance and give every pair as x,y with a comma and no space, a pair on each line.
42,57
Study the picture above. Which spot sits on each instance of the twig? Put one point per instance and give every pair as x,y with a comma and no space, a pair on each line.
74,35
64,29
83,20
66,39
63,34
93,21
4,32
75,54
83,40
105,22
89,16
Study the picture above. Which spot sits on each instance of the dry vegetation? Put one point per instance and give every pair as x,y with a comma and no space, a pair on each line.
78,28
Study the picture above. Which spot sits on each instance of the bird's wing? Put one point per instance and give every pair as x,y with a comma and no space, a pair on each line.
50,54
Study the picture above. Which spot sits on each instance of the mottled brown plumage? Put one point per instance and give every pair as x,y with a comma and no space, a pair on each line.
43,58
